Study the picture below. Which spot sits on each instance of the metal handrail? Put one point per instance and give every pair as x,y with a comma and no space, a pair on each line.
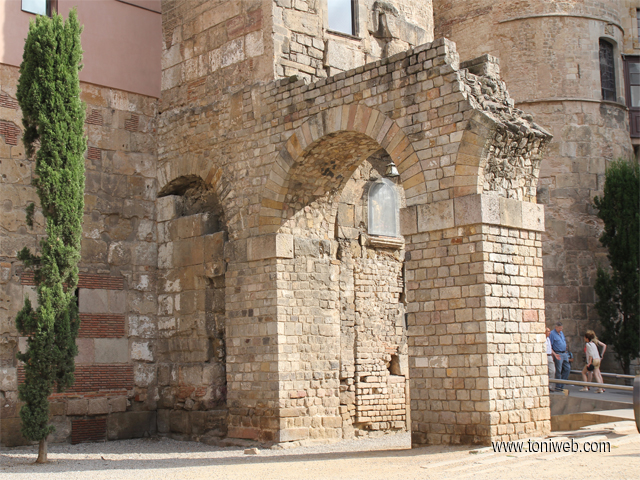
625,388
614,375
635,392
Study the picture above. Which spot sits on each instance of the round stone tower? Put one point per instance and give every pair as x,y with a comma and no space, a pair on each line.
550,55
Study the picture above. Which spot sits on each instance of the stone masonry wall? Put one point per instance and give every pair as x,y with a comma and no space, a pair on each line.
342,323
477,332
191,320
305,46
212,45
549,59
115,391
266,142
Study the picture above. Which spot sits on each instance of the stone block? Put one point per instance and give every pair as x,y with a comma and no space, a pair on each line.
99,300
62,430
168,207
236,251
468,210
342,55
408,220
435,216
111,350
141,351
164,420
124,425
179,421
346,215
302,22
142,326
86,351
57,409
533,217
77,406
214,247
8,379
291,434
510,212
144,374
118,404
306,247
10,435
98,406
93,300
275,245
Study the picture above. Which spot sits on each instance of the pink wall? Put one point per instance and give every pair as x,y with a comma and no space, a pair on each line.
122,43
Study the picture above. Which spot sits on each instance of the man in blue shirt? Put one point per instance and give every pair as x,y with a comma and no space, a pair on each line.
561,354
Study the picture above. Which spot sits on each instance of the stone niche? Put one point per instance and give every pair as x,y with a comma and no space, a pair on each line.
191,312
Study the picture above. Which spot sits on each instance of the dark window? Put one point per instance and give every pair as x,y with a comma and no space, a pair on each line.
607,71
638,20
342,16
38,7
632,93
634,83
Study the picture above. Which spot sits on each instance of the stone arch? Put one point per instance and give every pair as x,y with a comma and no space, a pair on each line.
350,132
330,272
177,178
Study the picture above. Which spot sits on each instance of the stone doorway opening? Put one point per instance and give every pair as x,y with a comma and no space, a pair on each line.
192,386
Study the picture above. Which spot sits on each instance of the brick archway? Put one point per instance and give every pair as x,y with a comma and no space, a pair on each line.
379,130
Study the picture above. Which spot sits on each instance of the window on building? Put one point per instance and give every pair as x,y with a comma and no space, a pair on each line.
638,22
38,7
342,16
383,209
607,71
632,93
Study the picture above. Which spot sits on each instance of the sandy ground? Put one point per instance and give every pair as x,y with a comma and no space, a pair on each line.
387,457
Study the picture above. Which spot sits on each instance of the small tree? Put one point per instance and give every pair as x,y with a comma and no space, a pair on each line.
617,290
53,118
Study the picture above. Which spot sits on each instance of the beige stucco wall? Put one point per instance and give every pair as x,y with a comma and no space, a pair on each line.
121,42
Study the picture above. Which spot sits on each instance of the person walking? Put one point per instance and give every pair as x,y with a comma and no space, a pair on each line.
598,344
550,360
593,361
559,347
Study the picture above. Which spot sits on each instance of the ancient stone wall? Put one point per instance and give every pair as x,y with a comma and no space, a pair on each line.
629,21
115,393
290,149
210,46
191,315
305,45
548,54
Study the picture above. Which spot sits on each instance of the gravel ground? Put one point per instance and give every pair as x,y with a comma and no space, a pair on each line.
387,457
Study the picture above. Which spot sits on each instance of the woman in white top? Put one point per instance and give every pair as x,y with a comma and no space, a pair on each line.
593,361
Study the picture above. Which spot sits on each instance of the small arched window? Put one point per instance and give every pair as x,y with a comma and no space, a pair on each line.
383,209
607,71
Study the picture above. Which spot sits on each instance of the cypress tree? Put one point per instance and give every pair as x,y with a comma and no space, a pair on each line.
53,118
618,290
